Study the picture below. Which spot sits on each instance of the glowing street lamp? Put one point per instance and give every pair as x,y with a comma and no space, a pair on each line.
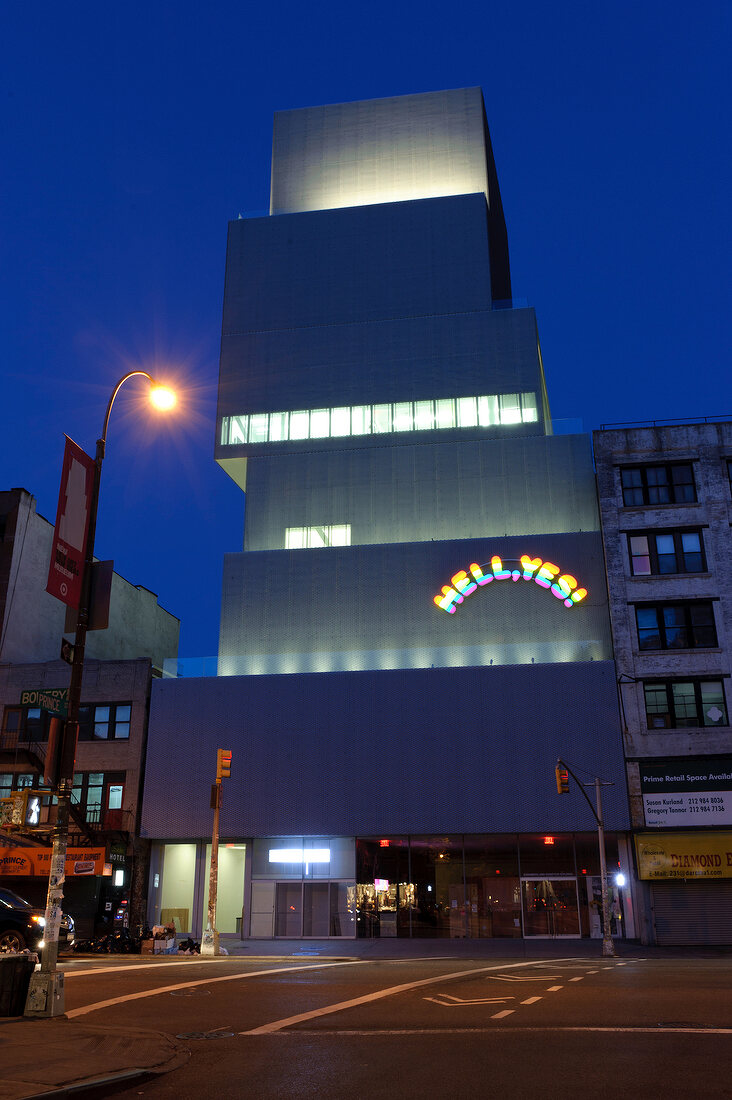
46,993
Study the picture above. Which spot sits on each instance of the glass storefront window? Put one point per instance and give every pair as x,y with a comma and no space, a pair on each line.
492,886
544,853
176,891
230,888
439,894
384,894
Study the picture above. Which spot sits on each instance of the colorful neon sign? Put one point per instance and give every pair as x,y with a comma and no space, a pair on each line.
543,573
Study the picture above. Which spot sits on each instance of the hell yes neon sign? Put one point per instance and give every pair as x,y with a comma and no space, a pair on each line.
544,573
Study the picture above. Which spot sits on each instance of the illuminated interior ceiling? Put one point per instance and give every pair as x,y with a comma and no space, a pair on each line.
387,150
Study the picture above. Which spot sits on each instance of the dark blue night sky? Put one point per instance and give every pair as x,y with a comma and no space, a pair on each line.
131,134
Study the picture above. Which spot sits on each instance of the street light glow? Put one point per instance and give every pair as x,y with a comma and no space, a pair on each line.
162,397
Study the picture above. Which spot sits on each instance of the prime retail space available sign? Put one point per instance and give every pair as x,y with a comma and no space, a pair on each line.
684,855
696,792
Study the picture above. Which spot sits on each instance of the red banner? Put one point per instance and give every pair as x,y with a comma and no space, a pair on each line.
72,526
37,861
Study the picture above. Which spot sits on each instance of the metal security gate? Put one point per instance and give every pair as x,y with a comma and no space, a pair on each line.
692,912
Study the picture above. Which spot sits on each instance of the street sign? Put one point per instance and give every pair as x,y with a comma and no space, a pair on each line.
53,700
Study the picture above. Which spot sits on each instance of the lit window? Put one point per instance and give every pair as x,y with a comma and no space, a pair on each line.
382,418
424,416
299,425
467,412
403,417
300,538
319,423
510,408
445,413
488,411
361,420
296,538
277,427
340,421
258,428
406,416
529,415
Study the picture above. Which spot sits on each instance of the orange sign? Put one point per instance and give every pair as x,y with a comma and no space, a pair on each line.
37,861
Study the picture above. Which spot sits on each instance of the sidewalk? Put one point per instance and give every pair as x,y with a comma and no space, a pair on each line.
58,1056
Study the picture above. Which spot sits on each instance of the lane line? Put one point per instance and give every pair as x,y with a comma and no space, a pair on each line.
580,979
403,1033
85,1009
593,971
190,961
500,1015
368,998
531,1000
554,988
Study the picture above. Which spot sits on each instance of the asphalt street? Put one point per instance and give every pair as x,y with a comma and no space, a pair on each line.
351,1028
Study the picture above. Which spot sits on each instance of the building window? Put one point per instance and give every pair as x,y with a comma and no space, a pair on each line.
672,484
302,538
677,704
99,796
662,552
676,626
402,416
105,722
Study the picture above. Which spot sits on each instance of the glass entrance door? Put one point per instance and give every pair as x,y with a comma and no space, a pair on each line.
550,907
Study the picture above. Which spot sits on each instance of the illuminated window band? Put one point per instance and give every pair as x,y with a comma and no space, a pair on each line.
299,855
301,538
403,416
544,573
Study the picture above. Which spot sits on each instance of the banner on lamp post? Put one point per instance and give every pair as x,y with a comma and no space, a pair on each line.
68,550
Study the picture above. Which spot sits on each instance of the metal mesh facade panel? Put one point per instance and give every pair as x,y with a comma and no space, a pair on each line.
436,750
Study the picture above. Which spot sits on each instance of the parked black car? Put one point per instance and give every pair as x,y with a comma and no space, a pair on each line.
22,926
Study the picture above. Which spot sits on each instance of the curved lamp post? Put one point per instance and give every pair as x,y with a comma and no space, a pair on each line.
46,993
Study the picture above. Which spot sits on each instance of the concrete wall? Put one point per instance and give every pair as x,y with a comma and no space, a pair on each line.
33,623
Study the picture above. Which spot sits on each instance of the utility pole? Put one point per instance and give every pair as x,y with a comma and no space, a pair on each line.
210,938
563,771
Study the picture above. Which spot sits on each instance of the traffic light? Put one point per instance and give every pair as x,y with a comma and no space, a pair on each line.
562,779
223,764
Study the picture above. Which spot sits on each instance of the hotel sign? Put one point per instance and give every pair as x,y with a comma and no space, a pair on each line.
684,855
695,792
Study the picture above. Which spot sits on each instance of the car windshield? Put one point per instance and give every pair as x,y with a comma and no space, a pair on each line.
13,900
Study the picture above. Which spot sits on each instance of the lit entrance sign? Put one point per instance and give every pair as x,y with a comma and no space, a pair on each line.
299,855
543,573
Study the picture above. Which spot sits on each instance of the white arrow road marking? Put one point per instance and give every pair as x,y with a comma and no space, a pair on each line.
527,978
448,1001
369,998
